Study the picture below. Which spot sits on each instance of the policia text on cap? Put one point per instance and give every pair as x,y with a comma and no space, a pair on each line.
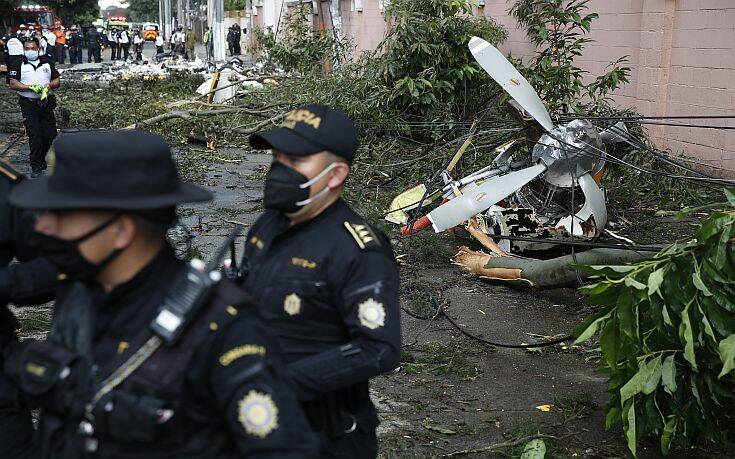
32,77
324,279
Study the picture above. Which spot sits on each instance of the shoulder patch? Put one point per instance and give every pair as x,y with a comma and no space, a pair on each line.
258,414
363,234
6,170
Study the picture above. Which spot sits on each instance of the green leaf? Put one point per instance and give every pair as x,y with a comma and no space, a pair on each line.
609,344
629,425
634,385
627,315
668,374
588,331
630,281
667,318
655,279
687,336
612,416
707,327
614,268
534,449
730,195
653,376
697,279
668,435
721,254
727,355
713,225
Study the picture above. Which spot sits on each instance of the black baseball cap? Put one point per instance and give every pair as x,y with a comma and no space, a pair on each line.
309,130
108,170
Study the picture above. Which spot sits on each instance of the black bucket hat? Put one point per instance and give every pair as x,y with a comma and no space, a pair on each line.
110,170
311,129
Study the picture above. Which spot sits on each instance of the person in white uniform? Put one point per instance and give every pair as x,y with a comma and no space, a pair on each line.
14,49
159,44
32,78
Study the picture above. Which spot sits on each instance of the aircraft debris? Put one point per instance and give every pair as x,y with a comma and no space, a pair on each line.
520,195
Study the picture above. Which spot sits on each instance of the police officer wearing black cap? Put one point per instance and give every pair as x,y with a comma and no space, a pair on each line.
324,279
32,280
147,357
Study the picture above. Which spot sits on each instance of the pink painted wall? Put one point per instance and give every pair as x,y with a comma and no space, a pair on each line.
689,70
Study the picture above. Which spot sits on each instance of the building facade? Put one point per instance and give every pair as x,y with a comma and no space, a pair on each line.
681,54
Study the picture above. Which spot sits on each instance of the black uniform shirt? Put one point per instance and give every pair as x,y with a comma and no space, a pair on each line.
247,407
93,38
33,280
329,289
76,39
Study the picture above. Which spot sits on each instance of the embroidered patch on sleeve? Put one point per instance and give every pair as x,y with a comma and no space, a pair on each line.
371,314
258,414
240,351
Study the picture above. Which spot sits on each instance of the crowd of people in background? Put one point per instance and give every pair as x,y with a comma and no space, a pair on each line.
60,43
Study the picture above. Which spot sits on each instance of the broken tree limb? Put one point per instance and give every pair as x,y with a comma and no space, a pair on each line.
474,229
260,126
541,274
188,115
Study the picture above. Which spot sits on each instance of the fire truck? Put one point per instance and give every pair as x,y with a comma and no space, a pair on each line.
35,15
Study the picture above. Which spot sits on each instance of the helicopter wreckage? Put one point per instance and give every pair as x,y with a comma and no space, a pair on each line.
519,207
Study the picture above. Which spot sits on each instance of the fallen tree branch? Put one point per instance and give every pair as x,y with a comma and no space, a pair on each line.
189,114
260,126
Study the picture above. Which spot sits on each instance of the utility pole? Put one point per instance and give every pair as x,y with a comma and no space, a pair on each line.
216,11
167,19
180,19
160,16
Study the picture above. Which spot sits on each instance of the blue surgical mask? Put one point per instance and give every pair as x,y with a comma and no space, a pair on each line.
31,55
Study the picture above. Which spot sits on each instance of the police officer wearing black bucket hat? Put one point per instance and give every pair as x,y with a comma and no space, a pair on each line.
147,357
324,279
32,280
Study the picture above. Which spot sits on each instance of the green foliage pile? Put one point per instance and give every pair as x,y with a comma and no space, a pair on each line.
558,29
424,61
422,68
667,336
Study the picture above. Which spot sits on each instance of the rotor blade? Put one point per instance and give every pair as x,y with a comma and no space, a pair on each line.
480,198
615,134
503,72
594,205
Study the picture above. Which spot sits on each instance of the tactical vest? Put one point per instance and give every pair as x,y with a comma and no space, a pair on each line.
151,407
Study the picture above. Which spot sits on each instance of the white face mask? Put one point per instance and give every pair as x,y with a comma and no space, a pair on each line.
31,54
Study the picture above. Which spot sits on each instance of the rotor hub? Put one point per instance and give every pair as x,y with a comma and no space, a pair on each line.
569,151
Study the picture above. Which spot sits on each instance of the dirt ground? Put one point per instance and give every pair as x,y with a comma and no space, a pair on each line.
451,394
